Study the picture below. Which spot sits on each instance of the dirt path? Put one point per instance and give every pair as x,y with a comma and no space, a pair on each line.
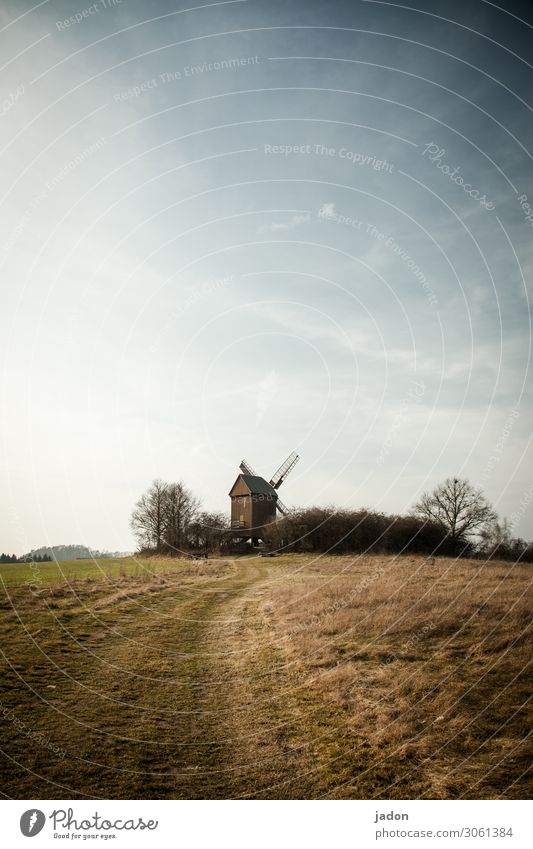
180,692
241,722
276,730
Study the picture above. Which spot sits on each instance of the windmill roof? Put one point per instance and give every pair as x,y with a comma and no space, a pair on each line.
258,485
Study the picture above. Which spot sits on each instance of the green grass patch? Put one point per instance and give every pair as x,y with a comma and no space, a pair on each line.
45,574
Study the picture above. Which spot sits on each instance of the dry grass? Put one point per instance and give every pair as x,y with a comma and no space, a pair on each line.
428,660
286,678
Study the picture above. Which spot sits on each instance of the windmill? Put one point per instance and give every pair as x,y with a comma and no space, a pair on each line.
255,501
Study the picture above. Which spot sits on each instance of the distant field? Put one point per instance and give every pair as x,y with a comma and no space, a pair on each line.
69,570
339,677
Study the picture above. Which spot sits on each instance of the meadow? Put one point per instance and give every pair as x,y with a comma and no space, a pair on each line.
290,677
16,574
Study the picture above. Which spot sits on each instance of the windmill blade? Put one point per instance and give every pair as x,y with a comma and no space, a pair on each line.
283,509
285,468
246,468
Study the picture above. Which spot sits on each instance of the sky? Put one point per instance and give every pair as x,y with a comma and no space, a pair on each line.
237,229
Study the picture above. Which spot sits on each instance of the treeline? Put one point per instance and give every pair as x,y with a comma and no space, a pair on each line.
168,519
325,529
26,558
455,519
49,553
72,551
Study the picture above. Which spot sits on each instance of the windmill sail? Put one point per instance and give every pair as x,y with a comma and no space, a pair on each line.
246,469
285,468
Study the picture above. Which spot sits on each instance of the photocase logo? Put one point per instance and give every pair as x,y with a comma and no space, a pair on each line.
32,822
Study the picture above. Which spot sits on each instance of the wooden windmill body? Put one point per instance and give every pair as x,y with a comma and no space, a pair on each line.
254,500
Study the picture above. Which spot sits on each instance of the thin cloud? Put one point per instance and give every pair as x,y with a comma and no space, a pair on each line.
293,222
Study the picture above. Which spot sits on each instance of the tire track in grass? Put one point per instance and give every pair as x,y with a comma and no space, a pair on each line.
281,737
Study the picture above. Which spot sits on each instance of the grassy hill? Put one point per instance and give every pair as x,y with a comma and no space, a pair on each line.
293,677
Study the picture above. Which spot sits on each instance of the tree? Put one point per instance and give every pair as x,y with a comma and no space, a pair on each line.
208,530
162,517
180,509
497,541
460,509
147,519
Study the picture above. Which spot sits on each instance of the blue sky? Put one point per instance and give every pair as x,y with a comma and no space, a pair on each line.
237,229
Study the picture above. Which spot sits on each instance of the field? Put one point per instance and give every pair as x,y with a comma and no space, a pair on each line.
288,677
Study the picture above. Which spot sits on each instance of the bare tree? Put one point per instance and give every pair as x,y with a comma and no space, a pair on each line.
180,510
460,509
147,519
162,517
497,541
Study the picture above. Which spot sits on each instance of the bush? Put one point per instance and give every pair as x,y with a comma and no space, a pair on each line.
324,529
